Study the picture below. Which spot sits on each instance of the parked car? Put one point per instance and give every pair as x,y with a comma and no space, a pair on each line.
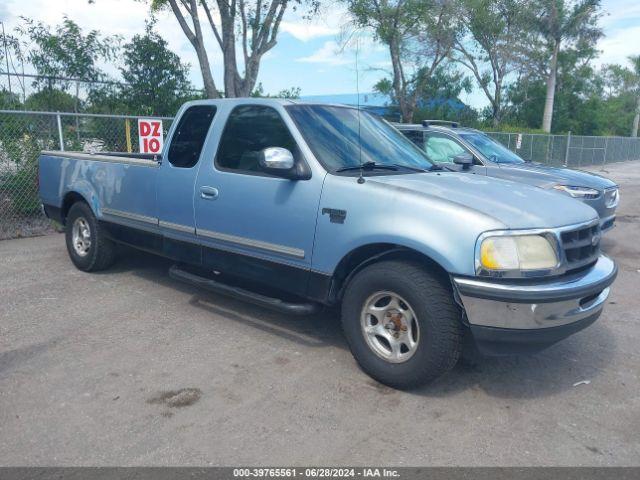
296,206
468,150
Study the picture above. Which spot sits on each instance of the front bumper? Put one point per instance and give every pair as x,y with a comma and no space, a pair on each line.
607,223
509,317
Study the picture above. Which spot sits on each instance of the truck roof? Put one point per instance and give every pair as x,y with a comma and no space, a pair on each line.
260,101
443,128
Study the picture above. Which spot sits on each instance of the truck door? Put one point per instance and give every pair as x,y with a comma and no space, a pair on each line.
250,223
176,181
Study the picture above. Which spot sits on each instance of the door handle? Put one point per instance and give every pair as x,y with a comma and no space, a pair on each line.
208,193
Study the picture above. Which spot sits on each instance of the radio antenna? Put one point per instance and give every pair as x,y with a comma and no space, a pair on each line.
361,177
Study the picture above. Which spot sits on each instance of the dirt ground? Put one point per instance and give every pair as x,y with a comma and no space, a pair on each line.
129,367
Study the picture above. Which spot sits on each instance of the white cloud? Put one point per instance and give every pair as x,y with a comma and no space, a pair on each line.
618,45
305,31
330,53
619,11
4,13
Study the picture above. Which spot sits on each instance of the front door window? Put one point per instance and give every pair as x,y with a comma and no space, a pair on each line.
441,148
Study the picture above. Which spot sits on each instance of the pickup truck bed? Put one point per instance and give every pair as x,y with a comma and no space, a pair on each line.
114,185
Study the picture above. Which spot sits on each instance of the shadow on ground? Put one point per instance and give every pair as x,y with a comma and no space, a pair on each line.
544,374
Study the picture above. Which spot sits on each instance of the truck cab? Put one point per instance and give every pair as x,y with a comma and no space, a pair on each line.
297,206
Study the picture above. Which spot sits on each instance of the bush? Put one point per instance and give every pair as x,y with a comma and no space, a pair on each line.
20,191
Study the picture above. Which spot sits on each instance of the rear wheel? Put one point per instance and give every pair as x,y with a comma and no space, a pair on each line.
89,249
401,323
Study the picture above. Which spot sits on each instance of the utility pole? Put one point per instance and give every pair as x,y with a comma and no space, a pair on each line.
6,57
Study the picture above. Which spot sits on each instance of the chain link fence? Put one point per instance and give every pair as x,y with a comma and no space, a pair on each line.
23,134
573,151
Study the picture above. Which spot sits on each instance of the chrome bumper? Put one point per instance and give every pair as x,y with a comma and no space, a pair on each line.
536,304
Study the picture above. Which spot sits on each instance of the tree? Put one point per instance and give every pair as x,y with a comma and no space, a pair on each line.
9,100
563,22
64,54
292,93
635,61
10,55
67,52
156,81
490,45
583,104
418,34
622,96
438,97
51,100
254,26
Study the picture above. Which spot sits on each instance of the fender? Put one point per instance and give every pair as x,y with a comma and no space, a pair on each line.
88,194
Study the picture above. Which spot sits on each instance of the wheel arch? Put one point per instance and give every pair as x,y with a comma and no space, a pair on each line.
68,200
365,255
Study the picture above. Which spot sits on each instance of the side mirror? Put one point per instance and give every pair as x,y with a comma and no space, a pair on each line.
464,159
279,162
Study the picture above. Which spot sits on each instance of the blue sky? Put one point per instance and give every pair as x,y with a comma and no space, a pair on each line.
307,54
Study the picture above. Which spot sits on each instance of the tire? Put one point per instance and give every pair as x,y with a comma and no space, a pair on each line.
92,250
427,324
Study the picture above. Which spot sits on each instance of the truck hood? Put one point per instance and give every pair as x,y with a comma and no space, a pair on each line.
546,177
515,205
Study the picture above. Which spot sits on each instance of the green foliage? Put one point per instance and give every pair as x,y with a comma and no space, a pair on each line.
50,99
490,44
587,101
21,188
418,34
390,20
9,101
66,52
156,79
21,140
291,93
439,97
568,21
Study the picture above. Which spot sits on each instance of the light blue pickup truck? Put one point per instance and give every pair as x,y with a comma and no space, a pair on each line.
296,206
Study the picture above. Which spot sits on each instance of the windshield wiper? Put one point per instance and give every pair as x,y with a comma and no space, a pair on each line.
414,169
368,166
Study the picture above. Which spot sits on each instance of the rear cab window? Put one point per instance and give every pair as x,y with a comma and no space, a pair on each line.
191,132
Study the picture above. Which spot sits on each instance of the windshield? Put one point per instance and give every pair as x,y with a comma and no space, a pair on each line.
332,134
491,149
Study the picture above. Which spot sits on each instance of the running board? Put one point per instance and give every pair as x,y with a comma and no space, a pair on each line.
272,303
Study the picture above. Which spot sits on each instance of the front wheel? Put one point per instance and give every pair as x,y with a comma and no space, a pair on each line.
402,324
89,249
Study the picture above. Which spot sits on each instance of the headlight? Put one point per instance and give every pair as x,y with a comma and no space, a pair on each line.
516,253
611,197
578,192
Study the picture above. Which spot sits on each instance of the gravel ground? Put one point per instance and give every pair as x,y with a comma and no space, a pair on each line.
25,227
128,367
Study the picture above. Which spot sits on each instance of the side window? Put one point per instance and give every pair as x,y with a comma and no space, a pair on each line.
189,137
442,149
250,129
416,136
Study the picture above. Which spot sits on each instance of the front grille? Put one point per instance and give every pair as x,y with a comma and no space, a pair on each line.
581,246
